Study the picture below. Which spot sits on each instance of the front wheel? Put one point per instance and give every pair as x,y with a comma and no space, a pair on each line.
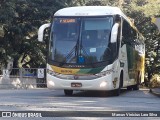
68,92
117,91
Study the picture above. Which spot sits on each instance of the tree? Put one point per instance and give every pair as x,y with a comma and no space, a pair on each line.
20,20
19,23
149,9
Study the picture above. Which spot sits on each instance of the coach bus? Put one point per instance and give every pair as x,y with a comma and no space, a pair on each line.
93,48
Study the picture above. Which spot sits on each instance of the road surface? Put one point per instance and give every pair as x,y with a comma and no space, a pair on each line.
55,100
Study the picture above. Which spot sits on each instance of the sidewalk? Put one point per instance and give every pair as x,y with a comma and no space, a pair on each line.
155,91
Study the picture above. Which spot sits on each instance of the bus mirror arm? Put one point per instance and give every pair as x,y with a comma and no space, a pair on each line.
41,31
114,33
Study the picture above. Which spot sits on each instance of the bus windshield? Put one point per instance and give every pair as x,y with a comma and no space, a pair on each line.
80,40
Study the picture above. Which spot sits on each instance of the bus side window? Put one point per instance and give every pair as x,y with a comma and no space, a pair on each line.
129,35
125,32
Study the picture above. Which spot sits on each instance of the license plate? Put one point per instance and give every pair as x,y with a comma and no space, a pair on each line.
76,84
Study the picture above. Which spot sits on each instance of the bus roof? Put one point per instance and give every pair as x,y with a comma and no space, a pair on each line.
89,11
93,11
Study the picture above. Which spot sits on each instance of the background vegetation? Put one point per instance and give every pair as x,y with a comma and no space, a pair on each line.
20,20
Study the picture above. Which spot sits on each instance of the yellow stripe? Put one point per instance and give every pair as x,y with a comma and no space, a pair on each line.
66,71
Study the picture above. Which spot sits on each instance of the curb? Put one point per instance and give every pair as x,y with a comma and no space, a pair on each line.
155,91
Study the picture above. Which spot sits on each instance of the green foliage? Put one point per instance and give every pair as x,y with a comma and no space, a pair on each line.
155,81
20,20
150,8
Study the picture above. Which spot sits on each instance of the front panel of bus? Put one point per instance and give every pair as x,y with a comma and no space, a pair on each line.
80,51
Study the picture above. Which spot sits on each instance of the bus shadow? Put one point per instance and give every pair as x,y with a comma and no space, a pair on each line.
97,93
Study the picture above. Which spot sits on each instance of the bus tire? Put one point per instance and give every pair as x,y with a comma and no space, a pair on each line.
118,91
136,87
68,92
129,88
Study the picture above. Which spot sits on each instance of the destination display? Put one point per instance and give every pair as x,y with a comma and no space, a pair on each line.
67,20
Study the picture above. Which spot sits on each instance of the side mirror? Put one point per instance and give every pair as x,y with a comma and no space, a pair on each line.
114,33
41,31
118,18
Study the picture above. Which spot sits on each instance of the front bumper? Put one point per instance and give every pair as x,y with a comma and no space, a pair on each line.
101,83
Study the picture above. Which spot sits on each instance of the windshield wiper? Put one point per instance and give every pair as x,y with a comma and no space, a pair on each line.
70,54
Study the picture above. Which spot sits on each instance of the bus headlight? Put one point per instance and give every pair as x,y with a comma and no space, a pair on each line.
51,83
51,72
104,73
103,84
101,74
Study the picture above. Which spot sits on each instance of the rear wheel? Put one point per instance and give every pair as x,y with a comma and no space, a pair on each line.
68,92
136,87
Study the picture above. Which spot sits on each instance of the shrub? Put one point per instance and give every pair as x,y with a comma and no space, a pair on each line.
155,81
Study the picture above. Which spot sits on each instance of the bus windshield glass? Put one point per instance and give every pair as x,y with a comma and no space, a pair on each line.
80,40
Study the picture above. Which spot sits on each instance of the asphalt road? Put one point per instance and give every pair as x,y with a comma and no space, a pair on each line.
55,100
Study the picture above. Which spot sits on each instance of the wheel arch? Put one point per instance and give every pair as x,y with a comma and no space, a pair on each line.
121,78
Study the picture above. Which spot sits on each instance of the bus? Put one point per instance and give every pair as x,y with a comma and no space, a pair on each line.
93,48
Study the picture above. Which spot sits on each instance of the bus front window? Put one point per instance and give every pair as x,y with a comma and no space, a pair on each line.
95,39
64,39
85,38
